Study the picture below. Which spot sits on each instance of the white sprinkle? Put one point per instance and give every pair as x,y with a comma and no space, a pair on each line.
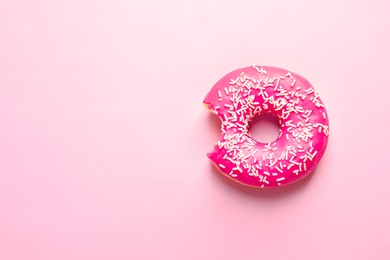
292,84
282,155
280,179
253,152
245,158
324,115
281,165
272,163
309,91
277,82
280,133
230,159
294,162
221,165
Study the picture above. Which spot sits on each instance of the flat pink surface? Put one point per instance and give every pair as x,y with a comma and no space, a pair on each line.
103,135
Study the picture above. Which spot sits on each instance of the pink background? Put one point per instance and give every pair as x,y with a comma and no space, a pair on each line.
103,135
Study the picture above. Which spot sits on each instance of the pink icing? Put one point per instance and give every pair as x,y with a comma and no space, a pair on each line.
245,93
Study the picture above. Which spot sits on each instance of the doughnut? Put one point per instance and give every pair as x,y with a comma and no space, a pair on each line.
246,93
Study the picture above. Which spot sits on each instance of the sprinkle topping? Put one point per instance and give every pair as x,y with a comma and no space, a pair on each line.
303,126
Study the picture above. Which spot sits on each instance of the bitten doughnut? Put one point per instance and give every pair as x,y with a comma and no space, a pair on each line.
304,128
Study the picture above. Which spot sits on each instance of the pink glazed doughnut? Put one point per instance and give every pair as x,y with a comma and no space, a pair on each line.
304,128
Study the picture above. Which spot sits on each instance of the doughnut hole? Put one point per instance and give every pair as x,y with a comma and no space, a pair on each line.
264,128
